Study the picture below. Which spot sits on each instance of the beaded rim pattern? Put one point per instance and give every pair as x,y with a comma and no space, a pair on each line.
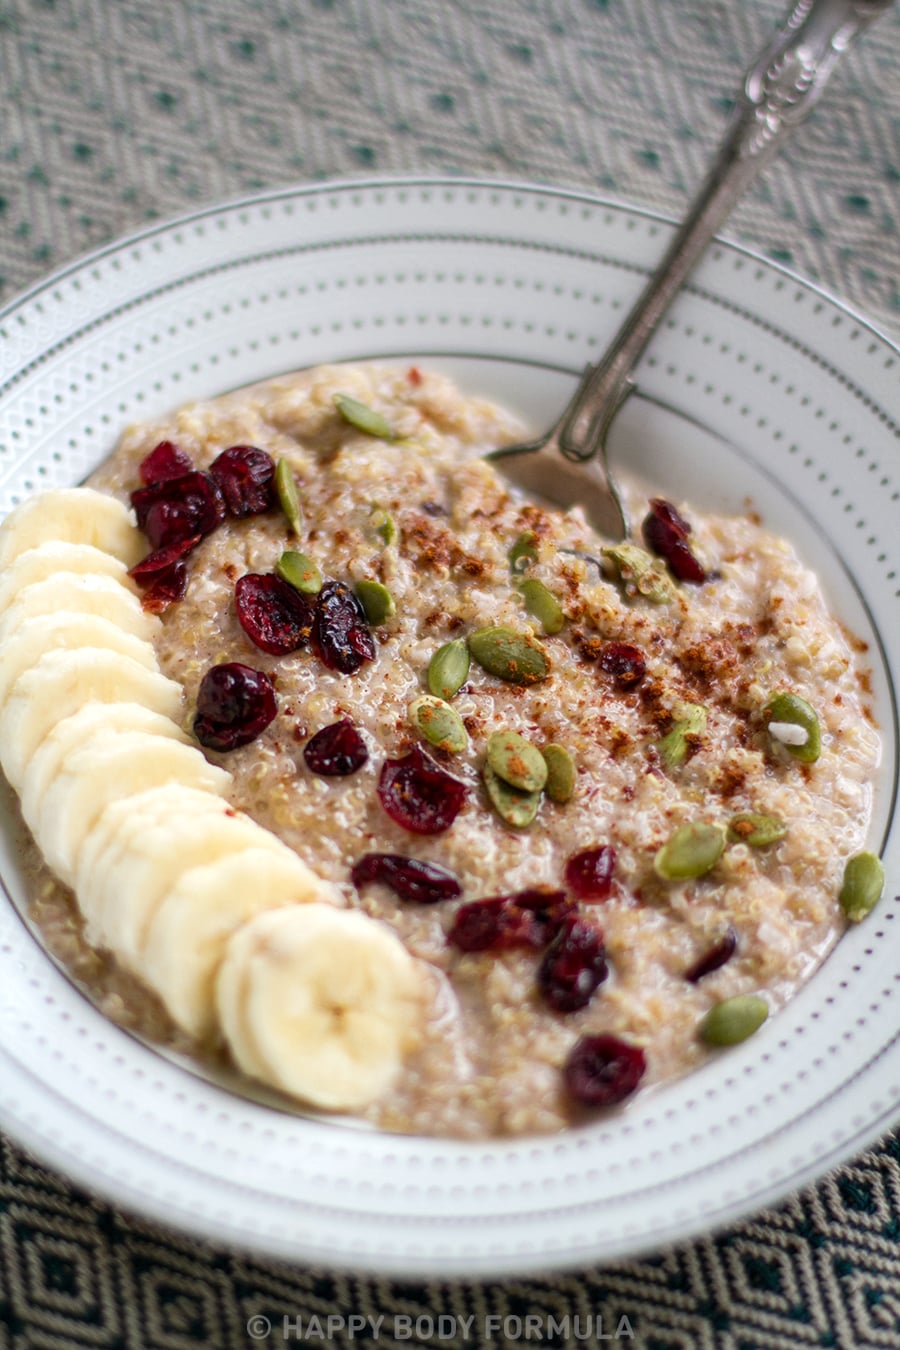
758,387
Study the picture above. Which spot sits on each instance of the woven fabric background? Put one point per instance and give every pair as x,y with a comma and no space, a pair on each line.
117,112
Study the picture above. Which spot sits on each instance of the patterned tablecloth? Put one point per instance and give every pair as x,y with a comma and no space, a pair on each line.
114,113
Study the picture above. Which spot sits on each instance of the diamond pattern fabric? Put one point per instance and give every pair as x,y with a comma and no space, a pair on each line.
115,113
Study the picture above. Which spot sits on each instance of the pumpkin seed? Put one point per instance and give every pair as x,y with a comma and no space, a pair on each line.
691,723
364,418
862,885
756,829
543,604
640,574
376,600
560,783
691,851
300,572
793,723
384,525
516,761
448,669
518,809
515,657
440,724
523,552
288,496
733,1020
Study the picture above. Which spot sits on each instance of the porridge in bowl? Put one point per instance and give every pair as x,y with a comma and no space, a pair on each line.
496,822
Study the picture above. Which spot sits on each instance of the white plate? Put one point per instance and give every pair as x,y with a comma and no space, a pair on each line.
759,386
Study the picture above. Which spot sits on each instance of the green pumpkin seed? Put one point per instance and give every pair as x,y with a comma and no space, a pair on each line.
518,809
516,761
300,572
364,418
793,724
376,600
640,574
862,886
691,723
448,669
288,496
543,604
691,851
382,524
523,552
756,829
515,657
733,1020
560,784
440,724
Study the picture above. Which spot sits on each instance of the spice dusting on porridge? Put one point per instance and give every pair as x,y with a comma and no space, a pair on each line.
573,812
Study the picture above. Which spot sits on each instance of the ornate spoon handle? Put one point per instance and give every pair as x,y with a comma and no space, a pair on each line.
779,90
568,463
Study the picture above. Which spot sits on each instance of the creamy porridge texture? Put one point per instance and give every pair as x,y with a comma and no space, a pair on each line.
661,754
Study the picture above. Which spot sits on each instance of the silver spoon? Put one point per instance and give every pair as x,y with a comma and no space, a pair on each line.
568,464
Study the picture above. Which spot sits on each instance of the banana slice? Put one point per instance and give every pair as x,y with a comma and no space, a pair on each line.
91,721
188,933
48,632
120,821
54,556
107,768
79,593
76,515
323,1003
144,859
61,683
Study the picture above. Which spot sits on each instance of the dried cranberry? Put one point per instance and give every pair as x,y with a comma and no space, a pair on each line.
409,877
418,794
162,560
168,588
165,461
483,924
711,960
589,873
245,476
164,575
234,705
527,918
336,750
341,633
664,516
603,1070
574,965
665,533
274,616
624,663
178,508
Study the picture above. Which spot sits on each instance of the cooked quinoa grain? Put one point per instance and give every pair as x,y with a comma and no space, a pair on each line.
424,516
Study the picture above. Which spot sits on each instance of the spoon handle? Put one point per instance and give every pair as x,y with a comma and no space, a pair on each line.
779,90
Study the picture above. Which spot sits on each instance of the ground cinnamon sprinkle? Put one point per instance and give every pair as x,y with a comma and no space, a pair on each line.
493,1049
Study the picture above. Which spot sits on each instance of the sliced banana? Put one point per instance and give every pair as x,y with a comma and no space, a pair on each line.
54,556
144,860
76,515
48,632
61,683
79,593
187,934
125,818
323,1003
89,722
107,768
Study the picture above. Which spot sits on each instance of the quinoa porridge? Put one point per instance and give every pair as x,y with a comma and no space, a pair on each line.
696,856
